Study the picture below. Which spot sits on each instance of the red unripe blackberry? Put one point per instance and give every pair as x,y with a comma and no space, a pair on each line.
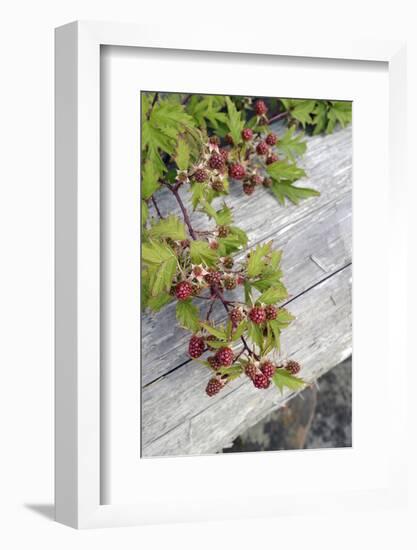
214,362
257,315
256,179
228,262
197,271
251,371
225,356
268,368
248,188
214,140
214,386
271,313
183,290
216,161
237,171
223,230
262,148
260,107
196,346
213,277
236,316
229,139
271,139
217,185
247,134
229,283
225,154
261,381
267,182
293,367
214,245
270,159
200,175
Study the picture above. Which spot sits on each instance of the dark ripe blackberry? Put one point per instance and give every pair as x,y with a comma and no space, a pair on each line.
200,175
251,371
248,189
196,346
260,107
214,386
229,283
183,290
229,140
267,182
268,368
292,367
256,179
213,277
228,262
217,185
236,316
214,362
225,356
262,148
237,171
247,134
216,161
225,154
197,271
223,230
271,313
271,139
270,159
196,289
261,381
257,315
214,140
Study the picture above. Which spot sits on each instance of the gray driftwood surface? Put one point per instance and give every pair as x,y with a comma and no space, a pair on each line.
178,418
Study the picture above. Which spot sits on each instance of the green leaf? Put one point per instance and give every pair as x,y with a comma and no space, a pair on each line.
197,193
149,180
283,379
320,117
273,294
144,212
234,121
255,263
224,216
220,334
339,111
255,334
182,154
302,111
154,252
170,227
294,194
268,279
201,253
161,276
284,318
155,303
275,334
232,372
240,329
284,171
187,315
292,146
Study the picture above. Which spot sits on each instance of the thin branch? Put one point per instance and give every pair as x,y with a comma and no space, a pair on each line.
186,99
155,99
156,207
174,191
278,117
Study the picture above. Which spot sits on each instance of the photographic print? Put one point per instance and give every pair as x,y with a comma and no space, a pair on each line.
246,258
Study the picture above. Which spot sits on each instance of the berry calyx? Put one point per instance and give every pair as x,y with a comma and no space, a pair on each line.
262,148
251,371
214,362
292,367
216,161
271,312
225,356
196,346
248,188
267,182
237,171
214,386
200,175
270,159
214,245
257,315
183,290
223,230
260,107
217,185
247,134
229,283
228,262
261,382
214,140
236,316
268,368
271,139
197,271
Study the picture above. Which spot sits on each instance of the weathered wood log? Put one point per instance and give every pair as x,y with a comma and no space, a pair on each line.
315,236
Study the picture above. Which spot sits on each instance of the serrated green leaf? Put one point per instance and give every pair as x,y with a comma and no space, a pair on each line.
255,263
182,154
283,379
339,111
284,171
269,278
154,252
240,329
187,315
232,372
201,253
224,216
320,117
155,303
149,180
197,193
234,121
144,212
255,334
218,333
170,227
274,334
162,275
273,294
294,194
292,146
284,318
302,111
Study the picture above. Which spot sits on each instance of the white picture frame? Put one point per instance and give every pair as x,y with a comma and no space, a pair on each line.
78,426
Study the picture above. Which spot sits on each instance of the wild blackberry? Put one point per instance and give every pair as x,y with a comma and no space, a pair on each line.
214,362
200,175
213,277
229,139
225,154
248,188
256,179
268,368
225,356
293,367
247,134
261,381
183,290
216,161
237,171
257,315
236,316
251,371
271,313
217,185
267,182
196,346
262,148
229,283
260,107
270,159
271,139
228,262
214,386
